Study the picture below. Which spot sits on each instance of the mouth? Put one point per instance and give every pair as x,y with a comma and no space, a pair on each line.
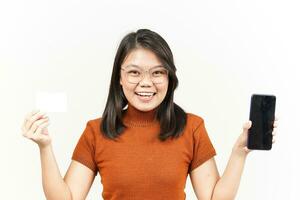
145,96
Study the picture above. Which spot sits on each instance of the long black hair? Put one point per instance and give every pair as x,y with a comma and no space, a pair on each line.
172,117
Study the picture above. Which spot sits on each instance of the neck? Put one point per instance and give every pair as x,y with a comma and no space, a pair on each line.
135,117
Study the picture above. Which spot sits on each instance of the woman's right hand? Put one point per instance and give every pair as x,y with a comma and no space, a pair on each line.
35,128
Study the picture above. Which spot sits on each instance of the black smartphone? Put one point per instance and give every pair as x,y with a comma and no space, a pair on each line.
262,115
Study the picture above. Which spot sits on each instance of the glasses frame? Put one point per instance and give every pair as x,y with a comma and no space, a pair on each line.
144,73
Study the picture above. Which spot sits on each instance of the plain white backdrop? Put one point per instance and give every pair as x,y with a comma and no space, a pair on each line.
224,52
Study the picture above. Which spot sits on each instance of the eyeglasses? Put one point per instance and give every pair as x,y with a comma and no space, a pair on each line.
134,75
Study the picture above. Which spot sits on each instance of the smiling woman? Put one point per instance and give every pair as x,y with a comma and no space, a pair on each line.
144,145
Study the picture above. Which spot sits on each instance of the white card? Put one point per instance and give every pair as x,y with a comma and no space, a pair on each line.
51,101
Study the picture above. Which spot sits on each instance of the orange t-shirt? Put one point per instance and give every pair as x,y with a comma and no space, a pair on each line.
139,166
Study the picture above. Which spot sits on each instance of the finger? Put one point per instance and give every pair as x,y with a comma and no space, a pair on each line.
46,131
28,115
35,111
35,125
28,119
246,126
38,123
247,150
24,131
33,118
34,135
40,129
274,132
43,115
275,124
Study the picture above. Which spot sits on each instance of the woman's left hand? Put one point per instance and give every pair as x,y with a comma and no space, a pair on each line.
240,147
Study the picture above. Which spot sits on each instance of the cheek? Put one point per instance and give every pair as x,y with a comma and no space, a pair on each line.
163,89
128,90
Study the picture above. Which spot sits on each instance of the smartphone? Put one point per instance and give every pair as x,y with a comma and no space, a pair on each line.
262,116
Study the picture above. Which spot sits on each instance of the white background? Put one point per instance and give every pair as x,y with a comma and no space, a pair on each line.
224,52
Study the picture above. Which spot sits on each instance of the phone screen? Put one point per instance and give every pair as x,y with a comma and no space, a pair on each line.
262,115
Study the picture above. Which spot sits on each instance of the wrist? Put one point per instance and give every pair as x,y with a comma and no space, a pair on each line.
45,147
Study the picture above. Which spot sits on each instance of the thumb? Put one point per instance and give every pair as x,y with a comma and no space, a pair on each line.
247,126
45,131
247,150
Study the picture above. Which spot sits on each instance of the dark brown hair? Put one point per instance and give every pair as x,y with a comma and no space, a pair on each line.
172,118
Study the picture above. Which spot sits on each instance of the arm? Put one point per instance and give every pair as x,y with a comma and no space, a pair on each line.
78,178
227,186
209,186
206,181
53,183
74,186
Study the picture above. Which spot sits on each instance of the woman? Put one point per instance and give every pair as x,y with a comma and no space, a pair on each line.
144,145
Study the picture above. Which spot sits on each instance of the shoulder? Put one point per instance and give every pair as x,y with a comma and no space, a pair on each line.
94,122
194,119
93,126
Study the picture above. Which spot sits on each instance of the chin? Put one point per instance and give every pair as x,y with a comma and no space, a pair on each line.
146,107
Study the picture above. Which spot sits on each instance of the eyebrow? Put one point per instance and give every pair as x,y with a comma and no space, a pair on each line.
133,65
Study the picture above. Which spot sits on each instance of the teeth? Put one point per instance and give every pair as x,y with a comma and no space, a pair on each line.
145,94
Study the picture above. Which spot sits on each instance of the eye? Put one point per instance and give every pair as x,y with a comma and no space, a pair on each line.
133,72
159,72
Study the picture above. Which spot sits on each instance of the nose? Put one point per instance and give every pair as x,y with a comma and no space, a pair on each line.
146,80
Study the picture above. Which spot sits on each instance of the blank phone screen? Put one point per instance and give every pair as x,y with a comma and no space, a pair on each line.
262,112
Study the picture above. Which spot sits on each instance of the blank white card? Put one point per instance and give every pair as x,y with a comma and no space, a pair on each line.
51,101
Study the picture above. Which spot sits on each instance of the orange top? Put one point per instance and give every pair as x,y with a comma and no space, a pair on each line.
139,166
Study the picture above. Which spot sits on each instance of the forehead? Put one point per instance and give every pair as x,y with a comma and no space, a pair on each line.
143,58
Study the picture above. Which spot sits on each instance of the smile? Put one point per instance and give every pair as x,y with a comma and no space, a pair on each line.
145,96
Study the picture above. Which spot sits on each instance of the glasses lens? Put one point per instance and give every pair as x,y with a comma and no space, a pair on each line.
159,75
135,75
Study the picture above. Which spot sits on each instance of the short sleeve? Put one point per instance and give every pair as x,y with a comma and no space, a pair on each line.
203,148
84,151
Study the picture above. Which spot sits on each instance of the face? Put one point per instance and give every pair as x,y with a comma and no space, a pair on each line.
144,95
